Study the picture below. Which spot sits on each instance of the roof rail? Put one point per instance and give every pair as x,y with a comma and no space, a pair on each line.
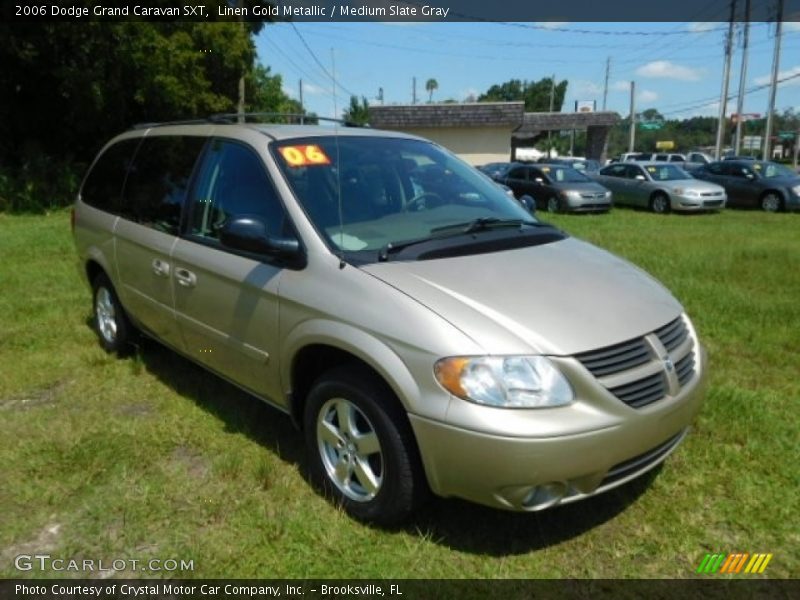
295,118
233,118
168,123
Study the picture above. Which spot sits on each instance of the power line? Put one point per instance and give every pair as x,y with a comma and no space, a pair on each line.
321,66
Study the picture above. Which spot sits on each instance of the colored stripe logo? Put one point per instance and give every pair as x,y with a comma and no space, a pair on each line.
732,564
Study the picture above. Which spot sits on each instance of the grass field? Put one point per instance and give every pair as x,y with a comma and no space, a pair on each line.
151,457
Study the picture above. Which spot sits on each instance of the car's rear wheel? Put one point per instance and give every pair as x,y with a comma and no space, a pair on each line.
659,204
771,202
360,446
110,321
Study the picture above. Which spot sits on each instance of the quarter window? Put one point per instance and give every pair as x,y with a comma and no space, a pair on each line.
232,182
103,186
158,181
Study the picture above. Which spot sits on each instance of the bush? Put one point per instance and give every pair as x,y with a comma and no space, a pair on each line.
40,184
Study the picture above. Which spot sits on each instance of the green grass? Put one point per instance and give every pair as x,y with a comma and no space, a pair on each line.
151,457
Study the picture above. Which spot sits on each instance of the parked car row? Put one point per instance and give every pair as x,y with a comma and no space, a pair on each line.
657,185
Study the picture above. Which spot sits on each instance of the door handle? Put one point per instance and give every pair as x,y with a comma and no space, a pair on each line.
160,267
185,277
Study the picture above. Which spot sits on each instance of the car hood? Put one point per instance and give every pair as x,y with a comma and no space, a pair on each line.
694,184
583,186
560,298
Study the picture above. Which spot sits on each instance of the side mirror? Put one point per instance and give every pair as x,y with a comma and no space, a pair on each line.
749,175
640,178
528,203
248,233
539,180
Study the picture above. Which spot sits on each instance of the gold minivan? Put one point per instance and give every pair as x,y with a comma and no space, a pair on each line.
424,330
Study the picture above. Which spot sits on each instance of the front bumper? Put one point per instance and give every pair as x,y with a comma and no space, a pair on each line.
693,204
528,474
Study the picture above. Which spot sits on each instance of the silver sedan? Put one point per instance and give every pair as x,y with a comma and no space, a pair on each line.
661,187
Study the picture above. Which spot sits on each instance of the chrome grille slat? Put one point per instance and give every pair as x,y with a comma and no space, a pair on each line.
642,392
613,359
684,368
673,334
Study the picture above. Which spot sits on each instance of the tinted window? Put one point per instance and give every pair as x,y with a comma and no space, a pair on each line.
518,173
159,180
103,186
632,171
614,170
715,168
233,182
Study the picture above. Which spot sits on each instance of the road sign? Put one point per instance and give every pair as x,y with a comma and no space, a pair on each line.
786,135
735,117
651,125
751,142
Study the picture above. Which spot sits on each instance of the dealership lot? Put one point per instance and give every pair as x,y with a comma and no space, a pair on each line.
151,457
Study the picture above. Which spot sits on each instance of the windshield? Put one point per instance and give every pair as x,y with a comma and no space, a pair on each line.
393,190
565,175
666,173
768,170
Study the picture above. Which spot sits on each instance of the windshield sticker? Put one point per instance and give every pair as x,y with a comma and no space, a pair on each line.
651,169
756,166
303,156
545,169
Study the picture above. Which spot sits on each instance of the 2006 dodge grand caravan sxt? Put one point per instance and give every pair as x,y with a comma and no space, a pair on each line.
424,330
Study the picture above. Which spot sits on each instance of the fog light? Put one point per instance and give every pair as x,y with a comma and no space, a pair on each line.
544,496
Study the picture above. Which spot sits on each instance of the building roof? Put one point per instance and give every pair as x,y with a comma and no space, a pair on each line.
553,121
473,114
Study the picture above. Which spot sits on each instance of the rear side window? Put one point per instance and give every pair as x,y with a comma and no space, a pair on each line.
103,186
158,181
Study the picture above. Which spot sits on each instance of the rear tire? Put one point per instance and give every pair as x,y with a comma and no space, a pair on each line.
361,450
113,328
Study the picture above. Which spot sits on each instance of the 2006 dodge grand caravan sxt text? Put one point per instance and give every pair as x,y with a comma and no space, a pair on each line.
424,330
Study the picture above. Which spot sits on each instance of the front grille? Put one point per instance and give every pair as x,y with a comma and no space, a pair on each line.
672,334
613,359
597,196
684,368
712,203
711,194
641,462
642,392
637,372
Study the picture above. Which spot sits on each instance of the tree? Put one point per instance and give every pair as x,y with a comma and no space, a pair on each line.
357,113
536,95
430,86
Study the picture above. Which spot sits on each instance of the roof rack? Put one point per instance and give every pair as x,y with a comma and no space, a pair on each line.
233,118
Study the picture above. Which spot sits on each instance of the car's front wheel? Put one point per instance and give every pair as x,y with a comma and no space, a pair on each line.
771,202
553,205
360,446
659,204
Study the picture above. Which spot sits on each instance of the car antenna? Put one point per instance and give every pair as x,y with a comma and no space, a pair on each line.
342,263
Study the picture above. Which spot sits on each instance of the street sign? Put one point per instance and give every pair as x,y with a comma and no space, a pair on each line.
786,135
744,117
651,125
665,145
751,142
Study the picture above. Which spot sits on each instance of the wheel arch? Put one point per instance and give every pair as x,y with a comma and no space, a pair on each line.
316,346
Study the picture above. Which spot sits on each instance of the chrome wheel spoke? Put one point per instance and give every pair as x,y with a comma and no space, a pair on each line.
367,444
368,480
328,433
343,472
345,413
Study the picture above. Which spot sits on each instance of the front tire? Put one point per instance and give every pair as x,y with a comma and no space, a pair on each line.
659,204
771,202
553,205
113,328
360,446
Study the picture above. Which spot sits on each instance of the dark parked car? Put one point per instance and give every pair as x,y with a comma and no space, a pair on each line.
584,165
755,184
558,188
493,169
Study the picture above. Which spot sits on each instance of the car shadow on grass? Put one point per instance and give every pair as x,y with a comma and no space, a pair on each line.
453,523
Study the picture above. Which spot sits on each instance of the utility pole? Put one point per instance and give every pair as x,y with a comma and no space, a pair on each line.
796,147
380,95
413,90
776,59
742,78
605,86
302,108
726,78
552,101
633,118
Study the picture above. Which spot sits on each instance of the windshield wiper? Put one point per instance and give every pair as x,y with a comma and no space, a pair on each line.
483,224
480,224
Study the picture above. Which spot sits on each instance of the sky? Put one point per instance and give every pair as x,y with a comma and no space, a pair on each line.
677,67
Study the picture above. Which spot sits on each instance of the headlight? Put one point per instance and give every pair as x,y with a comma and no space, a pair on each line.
571,195
608,194
796,190
507,382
